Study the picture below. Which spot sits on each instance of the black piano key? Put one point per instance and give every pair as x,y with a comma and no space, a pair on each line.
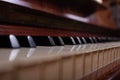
61,40
73,41
9,41
99,39
83,40
23,41
91,40
51,40
68,40
31,41
102,39
109,39
88,40
58,41
77,40
44,41
26,41
95,40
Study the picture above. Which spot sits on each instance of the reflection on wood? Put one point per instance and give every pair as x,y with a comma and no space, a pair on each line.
59,7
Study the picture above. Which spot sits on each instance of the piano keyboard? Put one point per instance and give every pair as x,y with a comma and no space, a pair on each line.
38,45
68,62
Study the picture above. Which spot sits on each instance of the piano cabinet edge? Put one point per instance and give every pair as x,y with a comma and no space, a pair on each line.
41,31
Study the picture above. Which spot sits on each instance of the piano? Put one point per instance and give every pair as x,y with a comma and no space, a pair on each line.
41,45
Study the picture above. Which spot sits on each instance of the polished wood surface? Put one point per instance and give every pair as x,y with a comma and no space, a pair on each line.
43,31
60,7
19,17
22,16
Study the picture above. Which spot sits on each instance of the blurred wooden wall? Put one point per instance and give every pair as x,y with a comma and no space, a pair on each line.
101,17
104,17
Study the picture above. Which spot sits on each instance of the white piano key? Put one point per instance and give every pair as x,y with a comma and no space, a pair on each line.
13,54
60,50
51,50
72,49
30,52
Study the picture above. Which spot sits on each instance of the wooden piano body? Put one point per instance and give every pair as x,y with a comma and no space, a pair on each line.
96,61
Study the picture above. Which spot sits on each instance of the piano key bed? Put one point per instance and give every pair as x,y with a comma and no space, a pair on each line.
69,62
